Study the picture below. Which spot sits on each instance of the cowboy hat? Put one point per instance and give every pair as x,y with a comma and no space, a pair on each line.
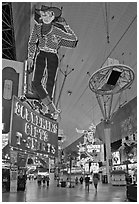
56,10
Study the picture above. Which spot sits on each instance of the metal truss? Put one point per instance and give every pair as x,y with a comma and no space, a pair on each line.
8,39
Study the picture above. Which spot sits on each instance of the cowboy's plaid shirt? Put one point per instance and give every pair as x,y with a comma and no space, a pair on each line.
53,40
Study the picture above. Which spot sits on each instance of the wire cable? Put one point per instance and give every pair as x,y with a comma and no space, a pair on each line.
107,23
110,53
120,39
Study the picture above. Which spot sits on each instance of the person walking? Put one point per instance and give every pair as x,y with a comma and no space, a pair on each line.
39,180
47,180
76,180
87,182
43,180
58,180
95,181
81,179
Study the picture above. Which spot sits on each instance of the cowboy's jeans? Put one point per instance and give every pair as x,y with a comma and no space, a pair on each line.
43,60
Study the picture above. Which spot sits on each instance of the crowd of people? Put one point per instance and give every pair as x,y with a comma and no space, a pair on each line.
95,181
82,179
44,180
41,179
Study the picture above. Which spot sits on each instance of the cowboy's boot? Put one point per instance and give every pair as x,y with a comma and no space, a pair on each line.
32,95
44,109
47,102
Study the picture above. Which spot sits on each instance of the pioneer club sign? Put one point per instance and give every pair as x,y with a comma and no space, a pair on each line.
31,131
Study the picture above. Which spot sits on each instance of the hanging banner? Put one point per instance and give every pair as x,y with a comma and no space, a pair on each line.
116,158
31,131
21,159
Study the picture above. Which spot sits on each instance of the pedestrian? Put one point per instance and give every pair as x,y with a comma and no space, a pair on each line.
58,179
39,178
43,180
87,182
68,182
47,180
76,180
81,179
29,177
95,181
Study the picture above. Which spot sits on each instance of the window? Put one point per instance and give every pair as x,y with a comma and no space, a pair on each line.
7,92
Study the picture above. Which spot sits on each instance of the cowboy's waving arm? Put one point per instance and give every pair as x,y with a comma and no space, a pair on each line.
70,35
69,39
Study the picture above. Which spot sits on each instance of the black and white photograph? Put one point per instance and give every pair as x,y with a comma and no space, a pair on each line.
69,101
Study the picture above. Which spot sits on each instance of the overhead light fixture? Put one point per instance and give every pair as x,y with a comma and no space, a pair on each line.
69,92
113,78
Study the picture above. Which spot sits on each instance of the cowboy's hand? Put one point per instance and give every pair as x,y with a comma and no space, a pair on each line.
29,64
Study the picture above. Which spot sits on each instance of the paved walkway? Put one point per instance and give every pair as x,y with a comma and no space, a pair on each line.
35,193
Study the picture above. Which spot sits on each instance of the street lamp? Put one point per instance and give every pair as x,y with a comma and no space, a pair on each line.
106,82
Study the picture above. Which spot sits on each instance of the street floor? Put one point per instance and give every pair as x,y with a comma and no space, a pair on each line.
35,193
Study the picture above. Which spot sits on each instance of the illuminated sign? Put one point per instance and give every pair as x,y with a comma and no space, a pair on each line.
86,167
93,148
116,158
5,138
94,167
31,131
89,148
